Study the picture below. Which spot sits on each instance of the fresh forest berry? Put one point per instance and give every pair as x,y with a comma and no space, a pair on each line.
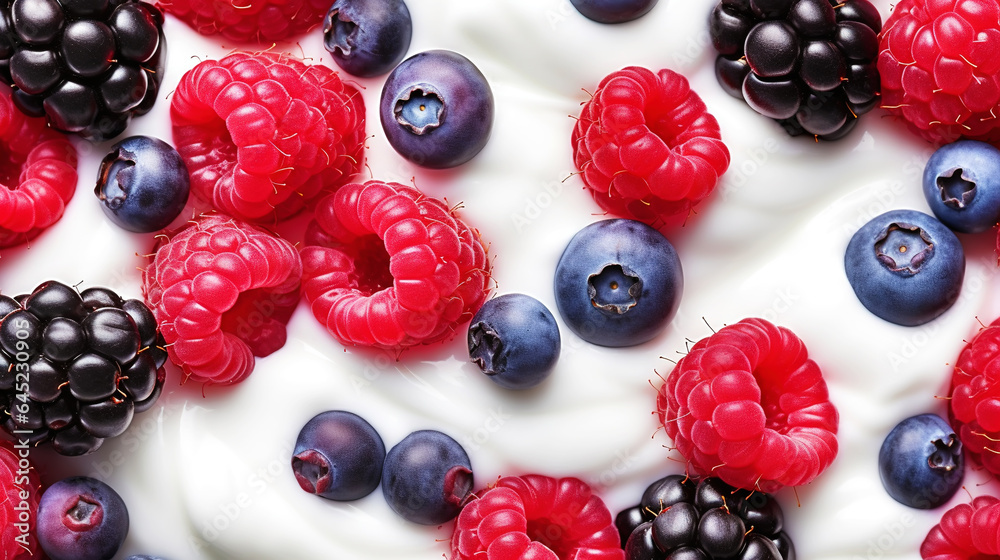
87,66
966,532
388,266
748,405
808,64
920,462
367,37
538,517
338,455
222,291
427,477
940,70
647,147
264,135
81,518
19,492
75,367
514,339
257,21
974,405
962,185
613,11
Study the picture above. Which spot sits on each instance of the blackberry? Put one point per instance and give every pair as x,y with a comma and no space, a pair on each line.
75,367
86,65
682,518
811,65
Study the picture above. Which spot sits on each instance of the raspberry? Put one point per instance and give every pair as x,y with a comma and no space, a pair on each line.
747,405
264,135
257,21
536,517
387,266
222,291
974,407
15,511
966,532
38,170
647,147
939,68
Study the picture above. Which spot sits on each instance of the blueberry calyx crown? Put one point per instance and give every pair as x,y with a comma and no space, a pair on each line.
119,165
903,248
614,290
420,109
957,189
84,515
339,30
486,349
312,471
458,485
946,456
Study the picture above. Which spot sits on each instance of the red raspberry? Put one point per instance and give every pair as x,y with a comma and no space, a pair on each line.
264,135
387,266
38,169
647,147
19,493
535,517
257,21
974,407
939,67
747,405
966,532
222,291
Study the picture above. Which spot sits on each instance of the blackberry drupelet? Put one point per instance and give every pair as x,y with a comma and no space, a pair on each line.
86,65
682,518
75,367
811,65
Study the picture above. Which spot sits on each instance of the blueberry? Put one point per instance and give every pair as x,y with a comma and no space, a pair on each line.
81,518
514,340
921,463
437,109
905,267
618,283
962,185
143,557
142,184
367,37
339,456
613,11
427,477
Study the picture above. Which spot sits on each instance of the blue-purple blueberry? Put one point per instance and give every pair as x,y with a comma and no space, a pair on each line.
143,184
618,283
921,463
514,339
613,11
367,37
905,267
427,477
339,456
81,518
437,109
962,185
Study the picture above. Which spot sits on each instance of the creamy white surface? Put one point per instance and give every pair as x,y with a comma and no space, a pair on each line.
209,477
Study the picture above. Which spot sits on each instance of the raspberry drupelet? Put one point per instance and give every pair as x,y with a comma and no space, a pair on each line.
974,407
966,532
249,21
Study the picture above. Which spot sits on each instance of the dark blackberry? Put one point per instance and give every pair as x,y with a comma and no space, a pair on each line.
75,368
808,64
682,518
86,65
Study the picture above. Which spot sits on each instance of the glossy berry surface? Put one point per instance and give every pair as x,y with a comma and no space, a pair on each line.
809,64
338,455
367,37
387,266
514,339
222,291
265,135
86,66
20,489
905,267
75,368
538,517
647,147
81,518
437,109
749,406
940,73
920,462
975,398
613,11
142,184
258,21
962,185
618,283
427,477
966,532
